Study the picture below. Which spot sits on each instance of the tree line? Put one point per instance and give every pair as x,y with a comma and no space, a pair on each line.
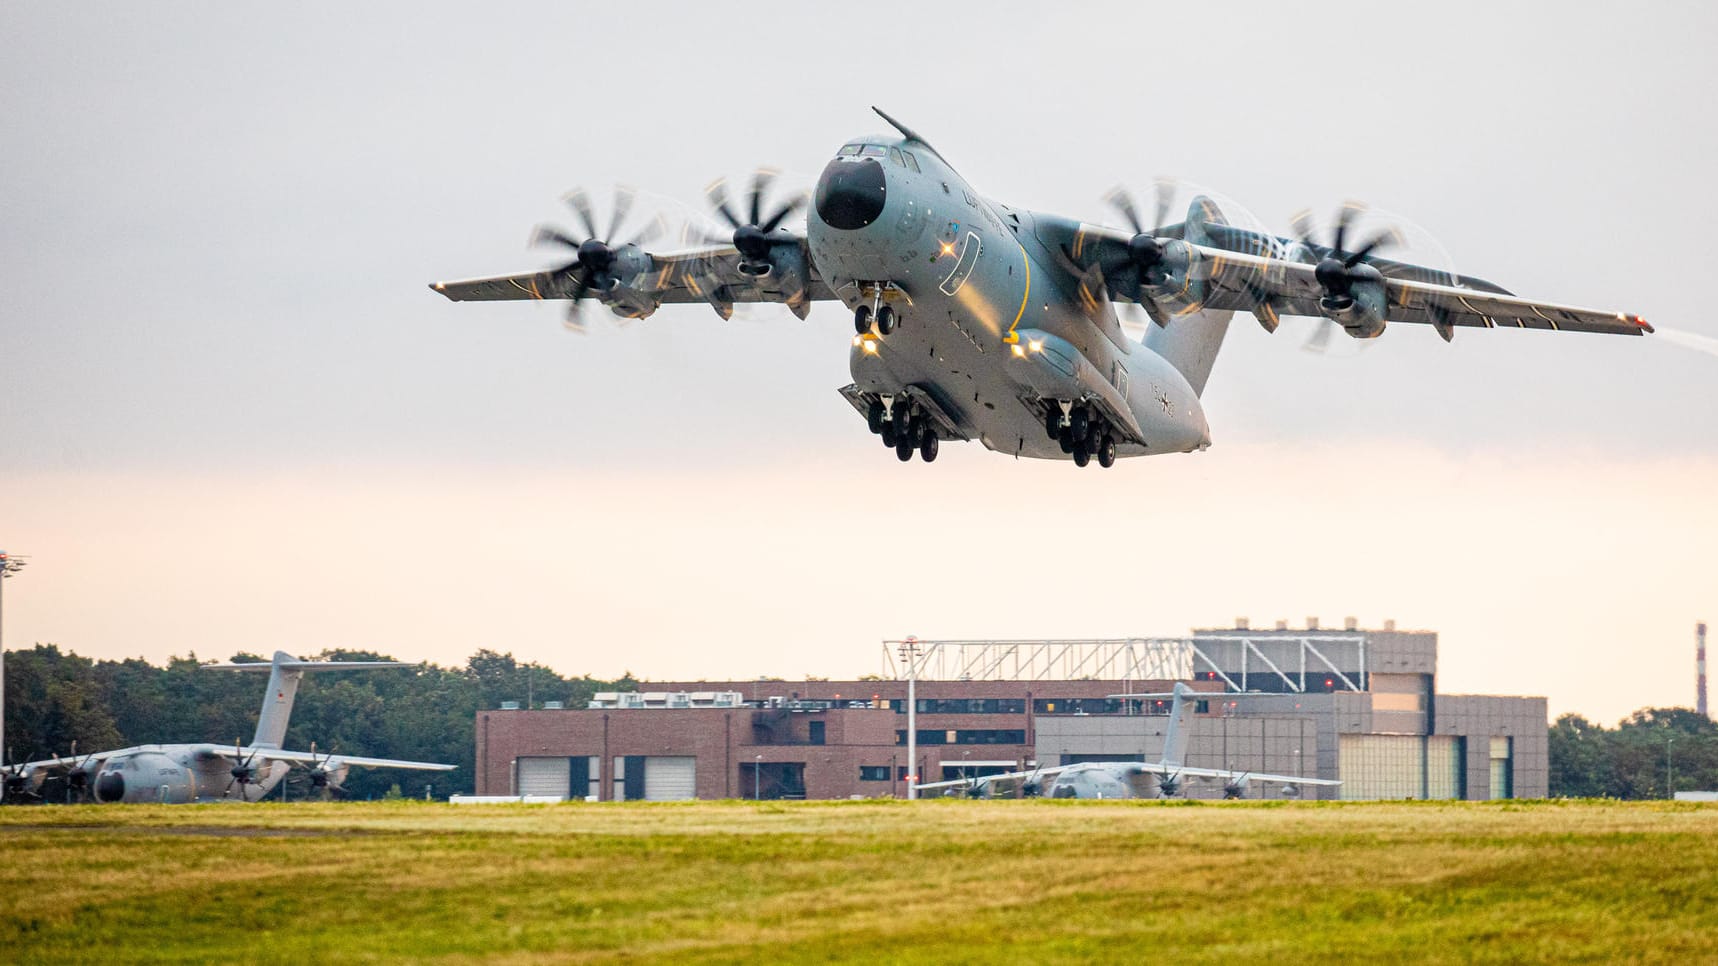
1649,754
422,713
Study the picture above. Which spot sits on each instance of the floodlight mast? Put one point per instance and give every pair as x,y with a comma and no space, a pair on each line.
10,564
909,649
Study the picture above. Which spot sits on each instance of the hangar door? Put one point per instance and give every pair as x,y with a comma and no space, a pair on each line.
560,777
655,778
544,776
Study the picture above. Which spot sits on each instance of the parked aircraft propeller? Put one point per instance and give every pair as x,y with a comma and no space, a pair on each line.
321,777
16,783
1169,785
592,268
77,778
244,773
1236,788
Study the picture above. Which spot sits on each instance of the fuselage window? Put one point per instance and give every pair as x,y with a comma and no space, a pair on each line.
847,151
912,162
895,156
874,151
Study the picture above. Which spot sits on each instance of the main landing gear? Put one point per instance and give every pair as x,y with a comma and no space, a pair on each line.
1081,433
904,428
877,312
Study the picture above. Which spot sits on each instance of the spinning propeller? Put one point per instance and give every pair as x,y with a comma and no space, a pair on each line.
751,234
14,782
320,777
1340,269
592,267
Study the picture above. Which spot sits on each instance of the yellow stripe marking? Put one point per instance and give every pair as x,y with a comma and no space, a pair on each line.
1014,337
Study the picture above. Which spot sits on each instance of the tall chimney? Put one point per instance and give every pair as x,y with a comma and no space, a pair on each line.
1700,669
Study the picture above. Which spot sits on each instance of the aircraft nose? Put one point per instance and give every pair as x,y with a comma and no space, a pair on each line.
850,195
110,787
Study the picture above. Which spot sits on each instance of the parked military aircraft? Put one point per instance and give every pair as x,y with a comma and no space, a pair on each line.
1164,778
177,773
979,320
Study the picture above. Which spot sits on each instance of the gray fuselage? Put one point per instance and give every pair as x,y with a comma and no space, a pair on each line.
991,322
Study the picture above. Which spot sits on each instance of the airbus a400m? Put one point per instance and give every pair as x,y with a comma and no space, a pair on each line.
978,320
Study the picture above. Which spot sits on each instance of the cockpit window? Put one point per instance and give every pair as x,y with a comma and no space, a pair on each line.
895,156
874,151
847,151
912,162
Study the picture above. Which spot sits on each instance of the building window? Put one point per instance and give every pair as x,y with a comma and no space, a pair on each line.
873,773
816,728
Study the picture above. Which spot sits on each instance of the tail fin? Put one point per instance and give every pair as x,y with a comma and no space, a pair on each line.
285,671
1190,342
1175,737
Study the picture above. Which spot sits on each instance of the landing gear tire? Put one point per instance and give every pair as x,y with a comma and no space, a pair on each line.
1107,452
928,448
1053,421
1066,439
862,319
1082,456
886,320
890,438
1079,422
901,412
904,450
874,415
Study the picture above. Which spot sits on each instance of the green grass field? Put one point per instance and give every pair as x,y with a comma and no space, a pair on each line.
971,881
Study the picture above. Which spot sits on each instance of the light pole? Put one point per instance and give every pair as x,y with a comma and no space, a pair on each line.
757,778
910,654
1669,772
10,564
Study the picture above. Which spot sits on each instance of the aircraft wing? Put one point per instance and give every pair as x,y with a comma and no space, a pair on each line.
1156,768
305,757
1271,287
984,780
699,275
52,765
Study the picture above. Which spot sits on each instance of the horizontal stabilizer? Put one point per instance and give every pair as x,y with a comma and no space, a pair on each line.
287,662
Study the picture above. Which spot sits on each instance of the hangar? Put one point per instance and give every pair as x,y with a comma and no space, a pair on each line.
1352,704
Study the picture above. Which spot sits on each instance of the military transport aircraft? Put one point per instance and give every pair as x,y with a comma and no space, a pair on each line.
1130,779
180,773
979,320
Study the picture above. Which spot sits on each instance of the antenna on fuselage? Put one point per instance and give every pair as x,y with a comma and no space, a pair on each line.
908,132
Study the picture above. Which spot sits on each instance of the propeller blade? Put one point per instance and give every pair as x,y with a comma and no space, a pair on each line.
657,227
1388,238
550,234
1303,225
581,203
1344,217
717,193
624,196
1165,189
787,209
760,180
1121,201
1320,338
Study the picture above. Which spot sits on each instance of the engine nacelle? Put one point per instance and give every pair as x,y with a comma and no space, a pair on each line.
1359,301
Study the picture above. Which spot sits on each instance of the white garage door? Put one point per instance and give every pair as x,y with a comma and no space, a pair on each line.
544,776
670,779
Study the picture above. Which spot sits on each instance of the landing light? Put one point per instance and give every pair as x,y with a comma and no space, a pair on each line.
870,347
1037,345
948,248
1019,353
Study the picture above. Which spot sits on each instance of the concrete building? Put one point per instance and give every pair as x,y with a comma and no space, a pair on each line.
1357,705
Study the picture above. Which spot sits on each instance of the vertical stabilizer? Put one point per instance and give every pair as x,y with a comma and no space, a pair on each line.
1180,722
285,671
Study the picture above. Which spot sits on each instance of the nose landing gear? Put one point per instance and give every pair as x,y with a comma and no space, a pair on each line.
877,312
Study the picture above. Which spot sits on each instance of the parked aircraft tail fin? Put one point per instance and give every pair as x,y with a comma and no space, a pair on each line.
285,671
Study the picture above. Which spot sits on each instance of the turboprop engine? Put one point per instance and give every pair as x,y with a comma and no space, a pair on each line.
1354,293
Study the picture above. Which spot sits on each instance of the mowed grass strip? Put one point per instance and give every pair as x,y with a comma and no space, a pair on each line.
939,881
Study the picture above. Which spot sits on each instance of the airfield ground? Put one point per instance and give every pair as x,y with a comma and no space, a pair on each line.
872,881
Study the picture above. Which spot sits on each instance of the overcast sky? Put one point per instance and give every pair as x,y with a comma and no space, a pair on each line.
232,416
